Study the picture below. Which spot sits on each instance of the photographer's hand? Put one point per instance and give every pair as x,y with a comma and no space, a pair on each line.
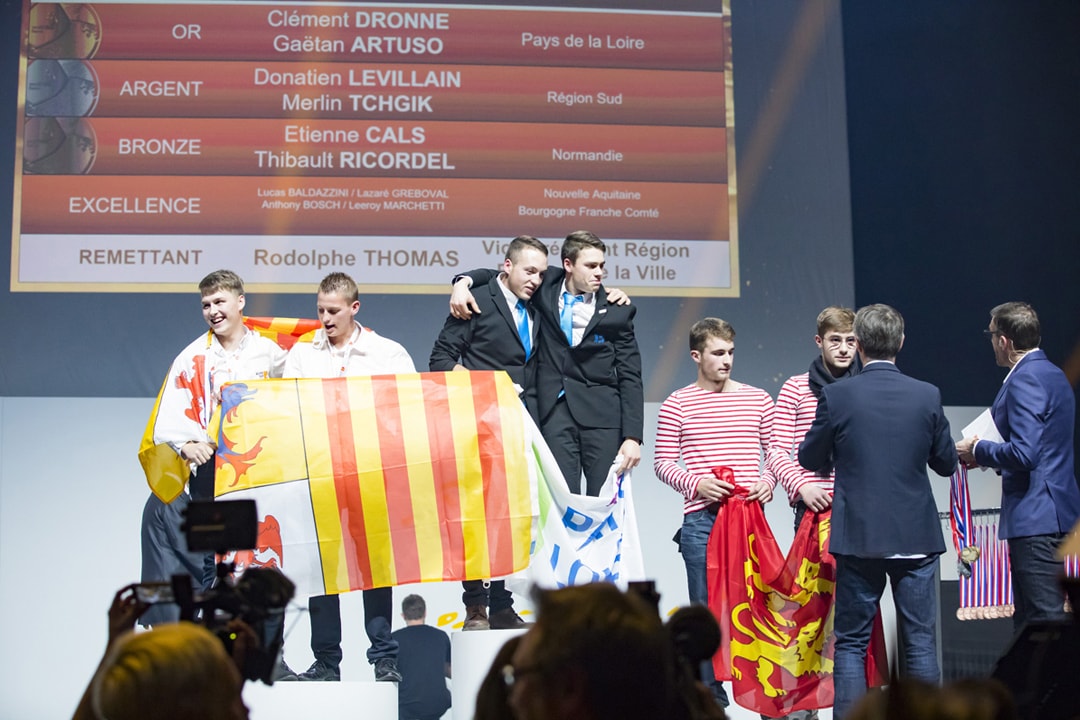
124,611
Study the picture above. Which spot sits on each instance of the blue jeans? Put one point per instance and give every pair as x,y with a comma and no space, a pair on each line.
694,546
859,585
1036,573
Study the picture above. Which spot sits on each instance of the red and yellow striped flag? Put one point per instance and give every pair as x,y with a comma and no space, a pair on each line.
384,480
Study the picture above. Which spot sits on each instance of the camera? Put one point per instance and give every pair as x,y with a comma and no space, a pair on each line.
258,598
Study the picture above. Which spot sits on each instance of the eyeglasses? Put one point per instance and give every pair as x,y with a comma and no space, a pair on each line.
511,675
990,333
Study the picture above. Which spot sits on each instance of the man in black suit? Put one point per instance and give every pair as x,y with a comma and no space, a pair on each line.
501,337
880,429
588,381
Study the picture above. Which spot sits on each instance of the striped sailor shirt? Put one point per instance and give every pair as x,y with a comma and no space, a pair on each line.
706,429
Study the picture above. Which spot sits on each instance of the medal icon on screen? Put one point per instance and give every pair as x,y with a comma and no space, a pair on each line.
58,146
63,31
61,88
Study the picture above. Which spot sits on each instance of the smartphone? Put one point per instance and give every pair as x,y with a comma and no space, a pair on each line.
154,592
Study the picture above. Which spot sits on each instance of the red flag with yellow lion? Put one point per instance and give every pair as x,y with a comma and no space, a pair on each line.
775,612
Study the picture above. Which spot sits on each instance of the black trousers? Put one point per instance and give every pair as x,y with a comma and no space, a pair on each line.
579,449
326,626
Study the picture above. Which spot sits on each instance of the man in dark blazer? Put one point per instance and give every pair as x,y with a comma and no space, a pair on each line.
1035,414
588,381
492,339
502,336
880,429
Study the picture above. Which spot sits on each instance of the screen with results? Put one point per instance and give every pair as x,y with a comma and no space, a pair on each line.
400,143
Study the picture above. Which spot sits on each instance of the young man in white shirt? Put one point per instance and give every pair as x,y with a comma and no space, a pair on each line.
343,348
228,351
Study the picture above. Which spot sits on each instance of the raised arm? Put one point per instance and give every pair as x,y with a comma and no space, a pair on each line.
462,303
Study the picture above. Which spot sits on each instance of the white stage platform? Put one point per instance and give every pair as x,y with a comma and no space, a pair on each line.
324,700
471,656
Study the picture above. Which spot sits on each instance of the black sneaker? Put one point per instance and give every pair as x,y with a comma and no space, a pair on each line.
322,671
386,670
282,672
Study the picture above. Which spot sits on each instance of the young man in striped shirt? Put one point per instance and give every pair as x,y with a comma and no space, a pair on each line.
713,423
796,405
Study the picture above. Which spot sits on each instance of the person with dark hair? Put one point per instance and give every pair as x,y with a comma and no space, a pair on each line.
343,348
424,662
1035,414
594,653
714,423
695,636
881,429
228,351
967,699
493,697
590,398
501,335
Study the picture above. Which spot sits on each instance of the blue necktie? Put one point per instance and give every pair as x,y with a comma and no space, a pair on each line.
523,327
566,317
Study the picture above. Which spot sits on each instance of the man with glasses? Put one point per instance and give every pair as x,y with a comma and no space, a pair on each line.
795,408
796,405
1034,413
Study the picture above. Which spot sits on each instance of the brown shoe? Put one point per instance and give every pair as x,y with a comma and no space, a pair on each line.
507,619
475,618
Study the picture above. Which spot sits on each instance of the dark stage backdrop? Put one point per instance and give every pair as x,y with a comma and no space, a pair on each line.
965,176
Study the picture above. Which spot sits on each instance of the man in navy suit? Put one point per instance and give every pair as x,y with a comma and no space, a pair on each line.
588,381
1034,412
502,336
880,429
